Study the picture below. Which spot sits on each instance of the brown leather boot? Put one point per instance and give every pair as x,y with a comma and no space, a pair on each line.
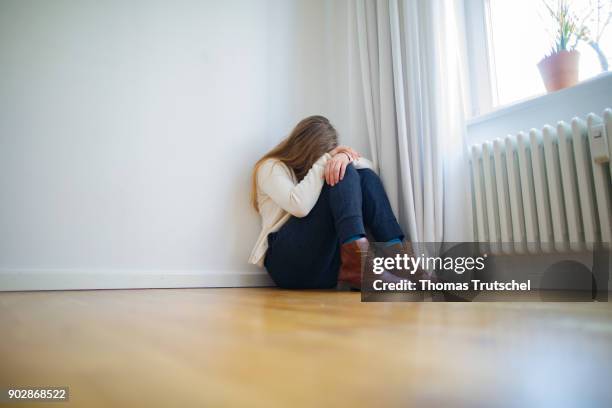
353,256
405,248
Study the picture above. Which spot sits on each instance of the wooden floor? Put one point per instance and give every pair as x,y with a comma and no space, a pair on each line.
268,347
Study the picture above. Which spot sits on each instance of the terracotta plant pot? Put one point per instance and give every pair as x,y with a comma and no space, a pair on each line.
560,70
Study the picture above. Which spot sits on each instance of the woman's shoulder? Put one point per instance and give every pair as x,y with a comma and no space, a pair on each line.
272,165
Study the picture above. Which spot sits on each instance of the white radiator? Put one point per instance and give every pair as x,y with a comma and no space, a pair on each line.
547,190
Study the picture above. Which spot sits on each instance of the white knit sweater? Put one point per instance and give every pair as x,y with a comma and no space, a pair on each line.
280,196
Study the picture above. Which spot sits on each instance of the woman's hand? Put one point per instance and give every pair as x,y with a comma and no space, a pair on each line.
346,150
336,167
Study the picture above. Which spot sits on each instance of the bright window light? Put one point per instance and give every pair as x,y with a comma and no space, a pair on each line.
521,35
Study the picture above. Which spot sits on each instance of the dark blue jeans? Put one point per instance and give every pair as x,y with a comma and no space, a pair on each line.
305,252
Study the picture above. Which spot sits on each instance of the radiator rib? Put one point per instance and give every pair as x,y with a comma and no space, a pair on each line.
570,187
505,219
491,197
585,182
479,198
528,194
601,179
553,178
516,197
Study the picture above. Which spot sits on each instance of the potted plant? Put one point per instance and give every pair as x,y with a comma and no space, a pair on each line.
559,69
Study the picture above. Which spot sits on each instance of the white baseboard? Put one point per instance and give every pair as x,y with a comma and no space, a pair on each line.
44,279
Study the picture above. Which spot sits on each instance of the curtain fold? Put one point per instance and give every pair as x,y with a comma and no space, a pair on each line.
411,62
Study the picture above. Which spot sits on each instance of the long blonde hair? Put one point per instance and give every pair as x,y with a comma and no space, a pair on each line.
308,141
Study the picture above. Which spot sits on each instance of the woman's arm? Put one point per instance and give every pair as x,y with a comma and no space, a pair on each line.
336,167
354,156
274,179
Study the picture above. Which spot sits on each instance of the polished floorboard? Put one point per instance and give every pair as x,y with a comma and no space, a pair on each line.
273,348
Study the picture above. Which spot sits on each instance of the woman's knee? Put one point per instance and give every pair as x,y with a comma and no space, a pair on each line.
350,178
368,177
367,173
350,172
349,186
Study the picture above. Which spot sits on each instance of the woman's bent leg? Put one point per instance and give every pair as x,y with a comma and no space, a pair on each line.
305,252
346,203
378,217
377,213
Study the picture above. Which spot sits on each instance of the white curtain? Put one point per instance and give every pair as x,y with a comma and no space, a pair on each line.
411,59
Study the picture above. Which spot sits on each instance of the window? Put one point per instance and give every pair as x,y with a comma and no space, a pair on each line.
510,37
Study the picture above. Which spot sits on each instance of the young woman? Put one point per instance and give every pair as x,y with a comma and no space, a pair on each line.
316,200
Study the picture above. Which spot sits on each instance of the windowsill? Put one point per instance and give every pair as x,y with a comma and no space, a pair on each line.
528,104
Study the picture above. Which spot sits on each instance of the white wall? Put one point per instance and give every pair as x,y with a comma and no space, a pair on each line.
128,129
